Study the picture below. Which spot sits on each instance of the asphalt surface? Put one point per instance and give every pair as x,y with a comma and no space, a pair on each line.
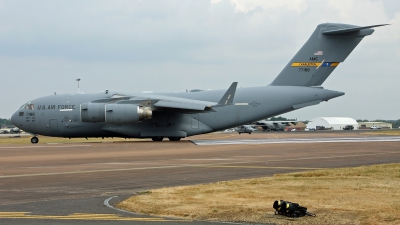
76,183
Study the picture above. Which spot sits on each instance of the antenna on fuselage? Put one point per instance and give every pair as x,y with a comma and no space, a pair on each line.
79,79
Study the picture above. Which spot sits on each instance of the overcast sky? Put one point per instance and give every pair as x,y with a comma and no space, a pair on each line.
169,46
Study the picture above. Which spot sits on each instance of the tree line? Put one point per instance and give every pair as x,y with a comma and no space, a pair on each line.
5,121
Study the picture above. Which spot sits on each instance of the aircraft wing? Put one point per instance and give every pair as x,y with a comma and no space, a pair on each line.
285,122
162,101
182,103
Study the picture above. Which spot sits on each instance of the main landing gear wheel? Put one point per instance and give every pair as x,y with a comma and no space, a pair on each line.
157,138
34,140
174,138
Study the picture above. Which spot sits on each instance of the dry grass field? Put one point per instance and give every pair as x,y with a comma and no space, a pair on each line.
361,195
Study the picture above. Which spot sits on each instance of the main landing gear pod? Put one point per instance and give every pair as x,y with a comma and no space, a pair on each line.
170,138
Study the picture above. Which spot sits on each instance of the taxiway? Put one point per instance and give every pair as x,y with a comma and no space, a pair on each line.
58,183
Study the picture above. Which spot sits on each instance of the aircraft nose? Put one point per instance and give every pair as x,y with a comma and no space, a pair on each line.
14,119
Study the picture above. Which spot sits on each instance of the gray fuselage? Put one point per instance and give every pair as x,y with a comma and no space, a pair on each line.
60,115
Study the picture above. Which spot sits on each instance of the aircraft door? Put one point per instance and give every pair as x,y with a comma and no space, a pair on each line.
53,125
195,121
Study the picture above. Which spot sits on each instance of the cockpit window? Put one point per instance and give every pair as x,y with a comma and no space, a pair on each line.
28,106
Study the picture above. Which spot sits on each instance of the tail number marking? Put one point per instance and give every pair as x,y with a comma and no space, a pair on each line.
306,70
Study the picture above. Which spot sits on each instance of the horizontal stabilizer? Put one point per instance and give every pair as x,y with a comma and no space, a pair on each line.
348,30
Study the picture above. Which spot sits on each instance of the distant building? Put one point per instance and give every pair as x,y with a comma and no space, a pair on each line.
332,123
7,126
368,125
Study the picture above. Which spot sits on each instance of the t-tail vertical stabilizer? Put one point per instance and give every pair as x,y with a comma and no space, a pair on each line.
329,45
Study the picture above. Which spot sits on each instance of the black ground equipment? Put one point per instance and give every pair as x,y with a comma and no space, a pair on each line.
290,209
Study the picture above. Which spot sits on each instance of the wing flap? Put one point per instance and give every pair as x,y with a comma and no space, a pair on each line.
191,105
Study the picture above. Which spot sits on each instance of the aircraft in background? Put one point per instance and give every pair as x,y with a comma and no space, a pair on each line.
179,115
4,131
15,130
12,130
268,125
245,129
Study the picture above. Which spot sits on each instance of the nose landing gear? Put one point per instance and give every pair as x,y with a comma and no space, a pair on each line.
157,138
34,140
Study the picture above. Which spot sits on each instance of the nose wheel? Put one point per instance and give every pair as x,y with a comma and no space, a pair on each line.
157,138
34,140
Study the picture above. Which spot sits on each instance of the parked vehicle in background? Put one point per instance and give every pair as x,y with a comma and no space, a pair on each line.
348,127
376,127
320,128
245,129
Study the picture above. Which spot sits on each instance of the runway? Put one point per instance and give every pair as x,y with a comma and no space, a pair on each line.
70,183
293,141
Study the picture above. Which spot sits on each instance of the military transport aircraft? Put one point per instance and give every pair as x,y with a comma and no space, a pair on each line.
179,115
268,125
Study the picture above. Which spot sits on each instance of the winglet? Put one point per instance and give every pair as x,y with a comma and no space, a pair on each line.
229,95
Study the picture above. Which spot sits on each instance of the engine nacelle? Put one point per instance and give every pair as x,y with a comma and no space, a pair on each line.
93,112
126,113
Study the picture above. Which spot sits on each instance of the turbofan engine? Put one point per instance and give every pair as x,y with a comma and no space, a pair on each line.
126,113
93,112
114,113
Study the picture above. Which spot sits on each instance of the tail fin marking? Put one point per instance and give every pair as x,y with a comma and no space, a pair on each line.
328,46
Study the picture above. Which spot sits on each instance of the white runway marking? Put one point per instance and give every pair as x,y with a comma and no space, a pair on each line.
44,146
221,165
292,141
89,171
